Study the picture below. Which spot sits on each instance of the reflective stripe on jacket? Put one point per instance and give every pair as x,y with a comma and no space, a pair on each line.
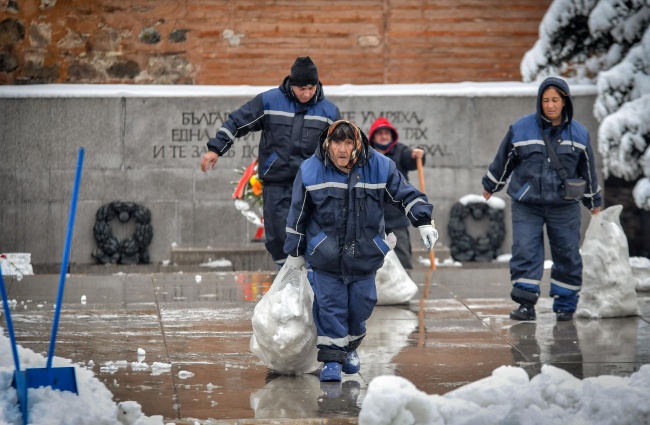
523,163
336,219
290,130
522,160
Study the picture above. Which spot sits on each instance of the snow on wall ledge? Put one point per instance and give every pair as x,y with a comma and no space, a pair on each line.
469,89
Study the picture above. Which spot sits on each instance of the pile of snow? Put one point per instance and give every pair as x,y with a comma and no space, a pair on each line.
494,201
93,405
220,263
508,396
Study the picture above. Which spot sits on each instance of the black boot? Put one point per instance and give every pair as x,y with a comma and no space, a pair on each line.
526,311
564,316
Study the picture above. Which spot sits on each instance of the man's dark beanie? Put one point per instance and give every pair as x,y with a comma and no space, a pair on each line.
303,73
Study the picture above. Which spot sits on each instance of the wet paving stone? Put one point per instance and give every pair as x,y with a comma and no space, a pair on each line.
456,330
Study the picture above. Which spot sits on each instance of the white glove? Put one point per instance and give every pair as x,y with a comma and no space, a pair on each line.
429,235
391,240
295,262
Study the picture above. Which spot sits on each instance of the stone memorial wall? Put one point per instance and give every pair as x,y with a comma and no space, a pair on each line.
143,144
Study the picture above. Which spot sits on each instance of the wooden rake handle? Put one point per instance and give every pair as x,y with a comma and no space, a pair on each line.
432,256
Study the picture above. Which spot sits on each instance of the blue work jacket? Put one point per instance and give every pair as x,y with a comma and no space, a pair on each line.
336,219
522,160
290,130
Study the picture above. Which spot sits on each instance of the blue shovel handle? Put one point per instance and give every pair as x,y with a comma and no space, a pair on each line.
10,326
66,255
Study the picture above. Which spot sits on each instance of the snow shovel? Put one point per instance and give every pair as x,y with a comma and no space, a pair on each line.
59,378
16,383
432,256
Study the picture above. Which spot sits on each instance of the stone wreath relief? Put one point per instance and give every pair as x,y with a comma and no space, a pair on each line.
485,247
132,250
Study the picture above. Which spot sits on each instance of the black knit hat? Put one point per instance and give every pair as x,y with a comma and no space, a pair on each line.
303,73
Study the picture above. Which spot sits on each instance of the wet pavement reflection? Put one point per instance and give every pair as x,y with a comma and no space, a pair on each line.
196,332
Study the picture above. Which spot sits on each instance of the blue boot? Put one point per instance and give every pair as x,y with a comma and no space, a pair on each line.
331,372
352,363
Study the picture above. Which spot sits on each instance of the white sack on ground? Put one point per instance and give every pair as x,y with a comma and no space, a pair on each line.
394,285
608,285
16,264
641,270
284,333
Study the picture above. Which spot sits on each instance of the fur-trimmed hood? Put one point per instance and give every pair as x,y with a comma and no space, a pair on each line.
364,151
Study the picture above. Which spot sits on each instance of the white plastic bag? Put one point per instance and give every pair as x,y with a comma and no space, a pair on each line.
608,284
394,285
16,264
284,333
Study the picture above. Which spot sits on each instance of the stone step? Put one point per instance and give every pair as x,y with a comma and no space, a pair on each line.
253,258
256,258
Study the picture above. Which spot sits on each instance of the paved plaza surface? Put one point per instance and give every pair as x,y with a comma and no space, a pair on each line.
455,331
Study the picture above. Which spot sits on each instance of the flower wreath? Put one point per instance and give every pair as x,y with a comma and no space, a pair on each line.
132,250
484,248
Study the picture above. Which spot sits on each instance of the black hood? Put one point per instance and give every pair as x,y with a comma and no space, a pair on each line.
567,112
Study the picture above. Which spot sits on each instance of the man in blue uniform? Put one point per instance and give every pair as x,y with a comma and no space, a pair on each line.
291,118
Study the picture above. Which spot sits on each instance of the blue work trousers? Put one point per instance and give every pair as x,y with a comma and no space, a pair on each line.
277,200
527,262
340,313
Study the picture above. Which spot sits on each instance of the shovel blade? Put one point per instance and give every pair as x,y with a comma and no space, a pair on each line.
59,378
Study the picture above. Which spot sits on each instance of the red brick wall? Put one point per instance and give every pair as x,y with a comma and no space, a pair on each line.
254,42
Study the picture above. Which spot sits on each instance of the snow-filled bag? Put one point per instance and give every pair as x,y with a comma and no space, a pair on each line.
16,264
608,284
641,270
284,333
394,285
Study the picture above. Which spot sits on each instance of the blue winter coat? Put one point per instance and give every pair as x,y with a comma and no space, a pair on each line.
336,219
291,130
522,160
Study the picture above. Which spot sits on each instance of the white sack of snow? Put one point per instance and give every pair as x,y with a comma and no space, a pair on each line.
284,333
608,284
641,270
16,264
394,285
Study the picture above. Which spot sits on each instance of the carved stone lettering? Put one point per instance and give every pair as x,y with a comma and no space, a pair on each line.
189,140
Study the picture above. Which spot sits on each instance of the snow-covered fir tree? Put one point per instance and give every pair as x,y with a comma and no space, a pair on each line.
606,42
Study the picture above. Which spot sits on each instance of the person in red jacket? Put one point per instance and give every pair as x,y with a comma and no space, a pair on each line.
384,138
